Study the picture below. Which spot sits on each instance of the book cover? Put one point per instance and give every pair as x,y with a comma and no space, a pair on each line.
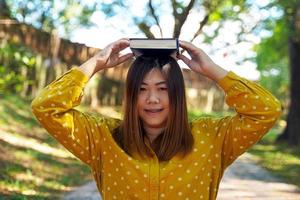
154,47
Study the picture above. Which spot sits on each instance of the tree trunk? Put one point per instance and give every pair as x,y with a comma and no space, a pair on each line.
5,11
210,100
24,73
291,133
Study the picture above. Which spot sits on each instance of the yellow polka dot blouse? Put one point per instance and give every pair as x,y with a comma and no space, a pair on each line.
218,141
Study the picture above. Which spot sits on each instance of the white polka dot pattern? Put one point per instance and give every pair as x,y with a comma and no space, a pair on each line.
218,142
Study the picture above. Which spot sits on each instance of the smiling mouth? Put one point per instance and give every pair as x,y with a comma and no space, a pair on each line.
153,110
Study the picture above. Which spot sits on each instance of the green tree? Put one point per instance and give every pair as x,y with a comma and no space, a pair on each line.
58,15
16,62
4,10
276,54
292,13
212,10
272,59
50,18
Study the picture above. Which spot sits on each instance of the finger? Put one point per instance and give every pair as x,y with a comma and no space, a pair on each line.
184,59
189,47
186,45
106,52
120,45
125,39
123,42
185,48
125,57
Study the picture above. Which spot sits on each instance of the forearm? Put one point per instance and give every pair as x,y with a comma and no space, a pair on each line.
88,68
216,73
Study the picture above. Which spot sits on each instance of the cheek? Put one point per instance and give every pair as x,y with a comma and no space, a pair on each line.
165,100
140,100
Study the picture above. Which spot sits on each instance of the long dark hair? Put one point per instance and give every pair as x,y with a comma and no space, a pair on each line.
177,137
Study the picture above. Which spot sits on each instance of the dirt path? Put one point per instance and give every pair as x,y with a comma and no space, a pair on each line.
88,191
244,180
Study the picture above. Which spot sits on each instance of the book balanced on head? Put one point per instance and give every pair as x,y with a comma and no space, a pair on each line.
154,47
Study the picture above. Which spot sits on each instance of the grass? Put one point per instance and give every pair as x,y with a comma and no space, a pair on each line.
28,172
280,159
194,114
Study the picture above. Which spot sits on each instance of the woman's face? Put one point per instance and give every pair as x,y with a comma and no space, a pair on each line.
153,100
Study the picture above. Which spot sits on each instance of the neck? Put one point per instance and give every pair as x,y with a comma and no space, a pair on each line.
153,133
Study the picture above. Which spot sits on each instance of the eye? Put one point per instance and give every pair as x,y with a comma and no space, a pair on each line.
163,88
142,89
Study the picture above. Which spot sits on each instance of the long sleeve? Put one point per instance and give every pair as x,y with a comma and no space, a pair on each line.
256,112
79,132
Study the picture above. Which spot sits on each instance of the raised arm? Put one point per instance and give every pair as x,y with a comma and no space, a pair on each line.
54,107
256,109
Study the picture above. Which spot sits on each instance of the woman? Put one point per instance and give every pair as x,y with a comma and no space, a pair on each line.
154,153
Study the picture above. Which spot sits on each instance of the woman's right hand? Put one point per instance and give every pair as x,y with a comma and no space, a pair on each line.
108,57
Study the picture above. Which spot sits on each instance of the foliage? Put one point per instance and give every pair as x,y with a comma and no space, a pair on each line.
179,11
14,60
60,15
280,159
227,11
272,53
272,60
28,172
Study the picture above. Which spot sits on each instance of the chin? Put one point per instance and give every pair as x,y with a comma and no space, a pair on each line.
154,123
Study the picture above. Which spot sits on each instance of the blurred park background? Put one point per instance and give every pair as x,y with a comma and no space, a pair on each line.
42,39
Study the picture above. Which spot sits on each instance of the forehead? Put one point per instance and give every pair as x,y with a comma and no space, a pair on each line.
153,76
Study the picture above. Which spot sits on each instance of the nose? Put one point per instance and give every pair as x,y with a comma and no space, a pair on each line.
153,97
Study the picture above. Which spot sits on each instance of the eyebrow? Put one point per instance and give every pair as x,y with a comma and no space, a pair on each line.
158,83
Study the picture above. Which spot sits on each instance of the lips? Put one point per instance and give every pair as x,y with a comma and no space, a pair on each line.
153,110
